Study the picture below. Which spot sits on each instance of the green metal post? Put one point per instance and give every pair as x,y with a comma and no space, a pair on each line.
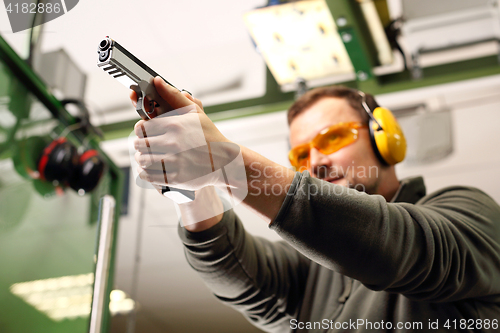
355,35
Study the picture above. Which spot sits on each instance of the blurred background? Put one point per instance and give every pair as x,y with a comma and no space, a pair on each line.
64,127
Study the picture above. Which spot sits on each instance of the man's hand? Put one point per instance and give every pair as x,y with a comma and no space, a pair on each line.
183,147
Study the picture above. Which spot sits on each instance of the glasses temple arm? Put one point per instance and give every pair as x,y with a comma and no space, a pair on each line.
367,109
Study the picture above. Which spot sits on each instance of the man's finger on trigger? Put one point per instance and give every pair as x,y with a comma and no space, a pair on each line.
170,94
133,98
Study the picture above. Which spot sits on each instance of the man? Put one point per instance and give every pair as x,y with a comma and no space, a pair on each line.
390,258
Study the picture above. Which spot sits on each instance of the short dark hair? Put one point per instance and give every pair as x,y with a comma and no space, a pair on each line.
350,95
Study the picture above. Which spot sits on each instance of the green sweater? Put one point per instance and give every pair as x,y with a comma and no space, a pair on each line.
352,262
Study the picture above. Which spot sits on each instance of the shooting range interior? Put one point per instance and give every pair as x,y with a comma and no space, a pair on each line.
97,252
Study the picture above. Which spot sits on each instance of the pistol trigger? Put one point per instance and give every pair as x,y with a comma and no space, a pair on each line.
152,106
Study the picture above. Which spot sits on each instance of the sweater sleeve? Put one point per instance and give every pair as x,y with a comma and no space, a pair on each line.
264,280
446,247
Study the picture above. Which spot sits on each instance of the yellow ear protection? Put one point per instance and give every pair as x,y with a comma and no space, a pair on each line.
387,138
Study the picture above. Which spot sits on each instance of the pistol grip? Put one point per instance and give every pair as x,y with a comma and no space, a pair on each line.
146,93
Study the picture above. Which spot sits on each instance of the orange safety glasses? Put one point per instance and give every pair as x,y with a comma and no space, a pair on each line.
327,142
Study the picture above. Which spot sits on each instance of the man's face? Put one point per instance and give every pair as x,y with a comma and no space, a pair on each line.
355,165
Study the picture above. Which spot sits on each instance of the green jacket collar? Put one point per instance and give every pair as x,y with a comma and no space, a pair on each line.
410,190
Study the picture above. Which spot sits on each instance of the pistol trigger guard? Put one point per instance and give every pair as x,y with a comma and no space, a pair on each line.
141,110
158,104
144,89
140,102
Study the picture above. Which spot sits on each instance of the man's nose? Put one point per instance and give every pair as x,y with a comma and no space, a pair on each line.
320,163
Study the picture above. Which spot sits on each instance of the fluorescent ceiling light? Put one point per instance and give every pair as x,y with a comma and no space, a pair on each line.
120,303
67,297
298,40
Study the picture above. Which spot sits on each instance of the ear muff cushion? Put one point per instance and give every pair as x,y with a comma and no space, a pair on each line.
58,161
89,172
390,141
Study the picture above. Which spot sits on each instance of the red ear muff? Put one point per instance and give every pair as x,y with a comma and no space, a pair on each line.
61,162
58,161
88,173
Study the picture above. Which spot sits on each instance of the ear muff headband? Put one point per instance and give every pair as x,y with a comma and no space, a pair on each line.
387,138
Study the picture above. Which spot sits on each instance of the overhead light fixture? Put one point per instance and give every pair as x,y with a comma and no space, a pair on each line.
65,297
68,297
299,40
120,303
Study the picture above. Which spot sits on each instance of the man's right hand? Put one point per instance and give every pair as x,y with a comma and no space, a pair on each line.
207,209
248,166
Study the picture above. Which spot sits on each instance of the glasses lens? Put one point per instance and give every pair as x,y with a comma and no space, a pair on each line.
335,138
299,155
327,142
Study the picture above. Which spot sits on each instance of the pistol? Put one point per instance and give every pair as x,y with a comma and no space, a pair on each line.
134,74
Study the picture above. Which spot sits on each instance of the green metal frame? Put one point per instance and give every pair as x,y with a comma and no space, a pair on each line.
36,86
355,35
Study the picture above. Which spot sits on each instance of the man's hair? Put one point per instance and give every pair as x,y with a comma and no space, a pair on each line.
350,95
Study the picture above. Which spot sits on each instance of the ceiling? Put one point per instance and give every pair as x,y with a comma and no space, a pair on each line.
202,46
